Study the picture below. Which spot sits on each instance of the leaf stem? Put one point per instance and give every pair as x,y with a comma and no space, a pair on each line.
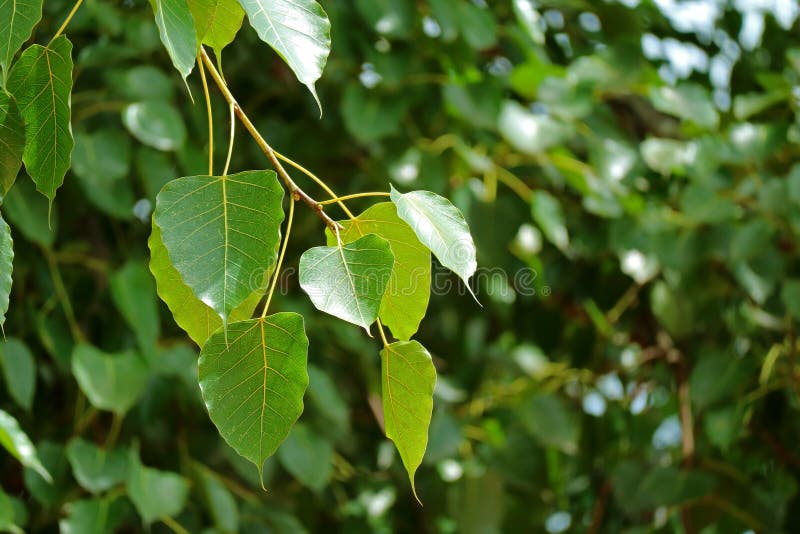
383,334
294,189
210,117
230,142
277,274
63,296
66,22
356,195
113,433
174,525
316,179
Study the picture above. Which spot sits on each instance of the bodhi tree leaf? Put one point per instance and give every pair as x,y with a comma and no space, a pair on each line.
546,211
407,381
154,493
19,445
307,456
348,281
298,30
220,502
189,312
253,382
27,211
176,29
19,370
222,233
111,382
134,295
96,469
17,20
41,82
12,133
216,22
45,490
98,516
6,268
155,123
441,227
101,161
407,294
7,523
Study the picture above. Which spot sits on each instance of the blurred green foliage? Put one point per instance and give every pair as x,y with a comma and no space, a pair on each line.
629,167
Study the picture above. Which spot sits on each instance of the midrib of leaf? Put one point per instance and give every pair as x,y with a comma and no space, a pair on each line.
225,252
350,279
263,398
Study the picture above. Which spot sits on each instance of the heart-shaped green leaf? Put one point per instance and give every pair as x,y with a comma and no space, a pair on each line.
441,227
307,456
298,30
406,298
111,382
253,382
19,18
155,493
222,233
41,82
19,370
15,441
12,132
176,29
216,22
408,378
189,312
348,281
133,293
96,469
6,268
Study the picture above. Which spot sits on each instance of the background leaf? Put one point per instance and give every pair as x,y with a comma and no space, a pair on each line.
348,281
19,371
111,382
134,295
253,382
41,82
408,378
222,233
96,469
307,456
6,268
156,124
155,493
406,298
298,30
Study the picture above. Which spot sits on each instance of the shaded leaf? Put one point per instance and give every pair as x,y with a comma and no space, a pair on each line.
298,30
688,101
529,133
176,29
96,469
408,291
19,445
133,293
12,139
18,17
193,315
546,211
155,123
307,456
6,268
155,493
111,382
220,502
41,82
49,491
253,383
441,227
348,281
407,378
7,523
98,516
101,162
19,370
27,211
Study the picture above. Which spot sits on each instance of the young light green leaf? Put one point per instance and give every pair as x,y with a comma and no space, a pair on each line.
407,378
17,20
407,294
6,268
189,312
154,493
298,30
12,132
96,469
307,456
41,82
111,382
133,293
176,29
348,281
441,227
222,233
546,211
19,371
216,22
253,382
19,445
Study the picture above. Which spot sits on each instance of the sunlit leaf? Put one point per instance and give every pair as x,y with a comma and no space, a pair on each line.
348,281
222,233
19,370
12,132
176,29
41,82
547,213
253,382
17,20
298,30
408,378
15,441
216,22
111,382
406,298
441,227
529,133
